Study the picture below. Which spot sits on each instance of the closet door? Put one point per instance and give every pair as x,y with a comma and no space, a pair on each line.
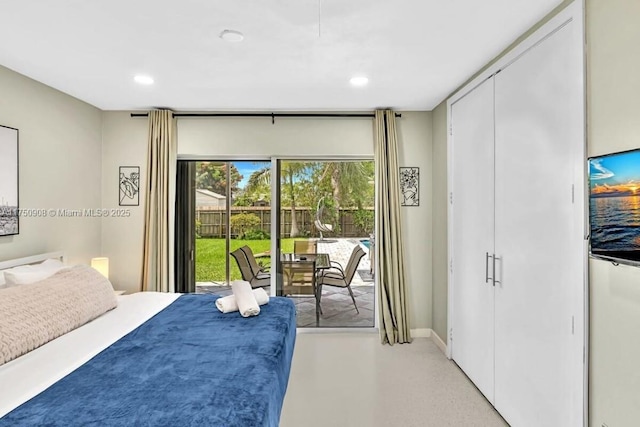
472,228
539,154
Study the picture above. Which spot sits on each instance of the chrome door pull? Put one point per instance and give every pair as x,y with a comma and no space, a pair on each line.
495,258
486,268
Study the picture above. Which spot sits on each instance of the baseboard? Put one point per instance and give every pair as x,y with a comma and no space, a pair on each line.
438,341
421,333
430,333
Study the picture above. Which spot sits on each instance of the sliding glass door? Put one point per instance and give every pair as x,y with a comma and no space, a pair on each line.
232,210
325,235
322,257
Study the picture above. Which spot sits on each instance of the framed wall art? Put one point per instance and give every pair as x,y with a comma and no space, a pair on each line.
9,219
410,186
129,186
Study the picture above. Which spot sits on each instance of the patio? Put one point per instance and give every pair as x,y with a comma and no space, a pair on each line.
337,307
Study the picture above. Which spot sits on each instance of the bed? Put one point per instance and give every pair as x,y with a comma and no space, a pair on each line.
156,359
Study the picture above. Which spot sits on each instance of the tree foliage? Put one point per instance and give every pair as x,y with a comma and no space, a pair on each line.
340,184
291,173
244,223
363,219
212,176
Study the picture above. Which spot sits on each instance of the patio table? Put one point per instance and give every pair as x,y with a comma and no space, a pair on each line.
306,266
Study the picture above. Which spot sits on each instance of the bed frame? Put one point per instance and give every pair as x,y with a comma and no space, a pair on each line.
33,259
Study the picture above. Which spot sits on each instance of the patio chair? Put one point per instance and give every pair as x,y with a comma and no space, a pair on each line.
342,277
256,268
259,280
300,278
305,247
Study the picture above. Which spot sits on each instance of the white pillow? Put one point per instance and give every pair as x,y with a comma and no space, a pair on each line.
3,279
51,263
27,274
15,278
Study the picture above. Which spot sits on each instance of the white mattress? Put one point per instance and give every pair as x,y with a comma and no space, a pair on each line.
28,375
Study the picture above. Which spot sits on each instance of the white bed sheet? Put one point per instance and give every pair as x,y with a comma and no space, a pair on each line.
30,374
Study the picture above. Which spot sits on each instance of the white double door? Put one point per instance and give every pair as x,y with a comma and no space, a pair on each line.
517,245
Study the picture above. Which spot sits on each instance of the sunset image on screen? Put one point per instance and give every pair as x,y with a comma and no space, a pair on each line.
614,205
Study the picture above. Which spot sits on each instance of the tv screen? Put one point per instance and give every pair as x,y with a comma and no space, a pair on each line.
614,206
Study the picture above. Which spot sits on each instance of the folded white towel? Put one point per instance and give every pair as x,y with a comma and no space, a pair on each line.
247,304
228,304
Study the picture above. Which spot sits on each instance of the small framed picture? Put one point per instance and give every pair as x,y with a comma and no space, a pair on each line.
9,219
129,186
410,186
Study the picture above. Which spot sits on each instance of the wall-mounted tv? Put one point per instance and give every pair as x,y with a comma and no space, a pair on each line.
614,206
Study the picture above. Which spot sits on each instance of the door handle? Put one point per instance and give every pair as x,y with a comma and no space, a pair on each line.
486,268
496,258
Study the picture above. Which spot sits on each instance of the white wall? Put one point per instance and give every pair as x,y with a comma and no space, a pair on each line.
613,61
60,163
440,223
125,144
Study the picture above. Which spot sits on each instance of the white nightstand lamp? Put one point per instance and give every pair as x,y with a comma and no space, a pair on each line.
102,265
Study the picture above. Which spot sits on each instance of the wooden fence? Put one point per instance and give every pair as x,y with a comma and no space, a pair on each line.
212,221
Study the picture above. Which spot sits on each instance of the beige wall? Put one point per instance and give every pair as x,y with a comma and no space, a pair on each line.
125,144
613,92
287,137
60,140
415,149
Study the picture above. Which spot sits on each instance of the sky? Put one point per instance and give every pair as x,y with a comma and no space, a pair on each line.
247,168
615,175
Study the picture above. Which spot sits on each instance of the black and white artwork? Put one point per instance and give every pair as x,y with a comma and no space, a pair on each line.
8,181
410,186
129,185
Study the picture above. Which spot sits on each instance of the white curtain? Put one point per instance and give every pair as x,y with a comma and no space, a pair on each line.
389,260
158,259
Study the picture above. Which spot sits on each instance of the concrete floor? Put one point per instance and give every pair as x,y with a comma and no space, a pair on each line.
347,379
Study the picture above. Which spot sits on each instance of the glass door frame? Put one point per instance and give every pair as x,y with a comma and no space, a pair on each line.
225,160
275,232
275,217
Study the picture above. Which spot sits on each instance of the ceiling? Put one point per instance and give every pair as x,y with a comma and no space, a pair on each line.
296,54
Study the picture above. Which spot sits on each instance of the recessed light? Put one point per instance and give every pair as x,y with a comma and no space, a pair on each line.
143,80
231,36
359,81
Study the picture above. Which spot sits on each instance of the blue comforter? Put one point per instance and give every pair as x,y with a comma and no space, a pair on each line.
189,365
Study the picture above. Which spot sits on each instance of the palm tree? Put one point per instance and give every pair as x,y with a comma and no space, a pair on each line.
289,171
348,179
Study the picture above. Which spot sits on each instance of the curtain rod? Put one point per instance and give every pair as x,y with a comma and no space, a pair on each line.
272,115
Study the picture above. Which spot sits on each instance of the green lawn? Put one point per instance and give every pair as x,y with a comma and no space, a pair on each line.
210,257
